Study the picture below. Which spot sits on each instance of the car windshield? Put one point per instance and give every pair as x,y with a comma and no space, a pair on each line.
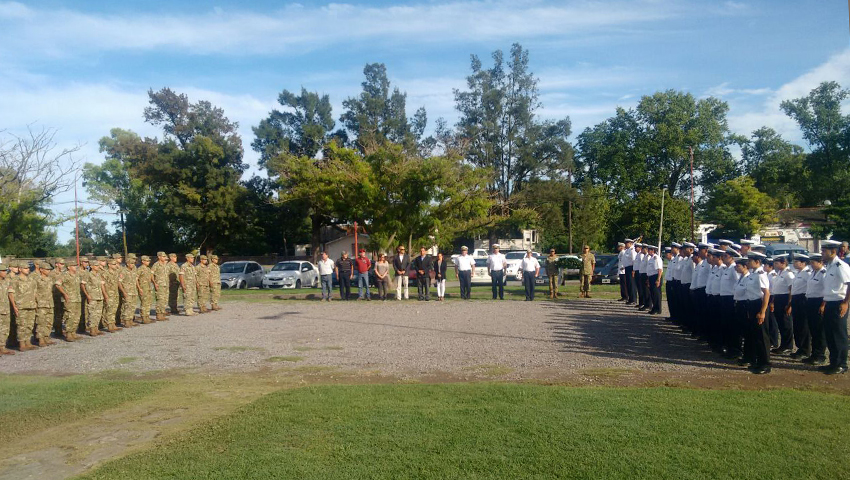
285,266
237,267
514,255
480,262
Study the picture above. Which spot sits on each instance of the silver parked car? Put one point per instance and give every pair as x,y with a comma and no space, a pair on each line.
241,274
292,274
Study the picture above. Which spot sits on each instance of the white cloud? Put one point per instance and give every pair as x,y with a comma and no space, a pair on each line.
724,90
295,28
836,68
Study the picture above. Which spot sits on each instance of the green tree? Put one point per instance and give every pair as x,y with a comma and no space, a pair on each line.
739,208
777,167
503,134
591,211
641,216
827,131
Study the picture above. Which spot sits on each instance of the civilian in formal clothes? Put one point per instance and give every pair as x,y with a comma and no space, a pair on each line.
440,267
423,266
401,263
344,275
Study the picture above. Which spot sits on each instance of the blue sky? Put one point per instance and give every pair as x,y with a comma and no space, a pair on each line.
84,67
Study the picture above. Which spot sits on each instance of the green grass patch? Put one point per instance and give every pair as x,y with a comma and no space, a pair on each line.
31,404
303,349
474,431
238,348
290,358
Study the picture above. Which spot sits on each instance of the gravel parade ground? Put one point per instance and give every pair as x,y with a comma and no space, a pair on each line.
574,341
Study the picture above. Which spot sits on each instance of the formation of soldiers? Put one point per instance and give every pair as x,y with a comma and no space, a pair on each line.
748,306
104,295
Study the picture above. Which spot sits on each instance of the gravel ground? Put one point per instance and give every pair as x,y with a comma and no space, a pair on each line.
507,339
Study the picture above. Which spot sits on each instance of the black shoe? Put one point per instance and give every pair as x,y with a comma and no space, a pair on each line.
640,309
621,300
780,351
836,370
742,363
799,354
760,370
630,303
814,361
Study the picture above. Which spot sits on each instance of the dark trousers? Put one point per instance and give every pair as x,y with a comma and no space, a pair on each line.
423,282
815,319
654,294
783,321
344,285
640,278
835,328
465,278
528,282
758,335
630,284
670,291
624,295
683,299
714,327
497,282
772,328
741,314
698,310
729,326
802,336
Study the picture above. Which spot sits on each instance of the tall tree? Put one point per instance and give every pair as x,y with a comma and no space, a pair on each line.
633,220
498,119
739,208
777,167
378,115
827,131
302,128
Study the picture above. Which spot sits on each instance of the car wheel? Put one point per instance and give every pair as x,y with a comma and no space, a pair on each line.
242,285
316,282
298,284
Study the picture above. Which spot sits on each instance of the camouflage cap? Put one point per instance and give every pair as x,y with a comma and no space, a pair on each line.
213,257
84,260
60,261
146,258
161,254
190,255
203,257
101,258
71,263
174,255
112,262
3,267
117,256
45,266
14,264
131,256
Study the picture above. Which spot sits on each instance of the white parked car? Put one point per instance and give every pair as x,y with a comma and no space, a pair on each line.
241,274
477,253
481,274
514,259
292,274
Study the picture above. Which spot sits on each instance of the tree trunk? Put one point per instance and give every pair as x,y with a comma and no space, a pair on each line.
315,236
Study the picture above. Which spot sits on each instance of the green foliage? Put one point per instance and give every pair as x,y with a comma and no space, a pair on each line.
642,216
569,263
827,130
838,214
739,208
591,214
485,430
648,147
777,167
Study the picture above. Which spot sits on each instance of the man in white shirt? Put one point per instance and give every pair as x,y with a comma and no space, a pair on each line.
713,307
740,297
326,270
728,280
465,270
654,269
802,336
780,304
685,275
621,272
496,265
671,281
814,300
758,299
836,297
530,270
628,268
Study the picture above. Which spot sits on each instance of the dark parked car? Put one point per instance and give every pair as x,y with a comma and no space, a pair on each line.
774,249
606,270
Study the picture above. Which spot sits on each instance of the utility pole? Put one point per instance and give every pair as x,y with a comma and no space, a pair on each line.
570,207
123,232
661,223
76,221
691,155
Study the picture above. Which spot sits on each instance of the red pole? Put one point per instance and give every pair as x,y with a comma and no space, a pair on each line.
76,222
691,155
356,250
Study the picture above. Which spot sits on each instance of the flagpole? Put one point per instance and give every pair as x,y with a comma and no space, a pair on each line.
76,221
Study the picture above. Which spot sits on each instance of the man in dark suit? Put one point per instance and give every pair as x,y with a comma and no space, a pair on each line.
401,263
422,265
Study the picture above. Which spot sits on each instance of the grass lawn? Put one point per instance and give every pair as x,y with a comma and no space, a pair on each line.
30,404
513,291
509,431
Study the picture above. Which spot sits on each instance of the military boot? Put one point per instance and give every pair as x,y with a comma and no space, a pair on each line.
25,345
42,341
204,309
6,351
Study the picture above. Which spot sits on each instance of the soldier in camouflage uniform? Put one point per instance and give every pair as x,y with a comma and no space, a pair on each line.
189,282
69,288
5,308
215,281
129,287
202,272
45,283
112,299
83,270
57,272
160,283
96,288
22,299
173,283
144,277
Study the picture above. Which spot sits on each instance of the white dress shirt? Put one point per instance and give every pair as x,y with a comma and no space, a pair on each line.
814,289
798,287
686,271
464,263
496,262
757,281
728,280
326,267
835,280
629,257
740,294
529,264
782,282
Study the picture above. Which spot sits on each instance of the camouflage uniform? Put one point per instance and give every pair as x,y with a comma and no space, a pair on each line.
113,299
94,308
127,279
83,272
173,282
190,285
56,273
160,280
24,287
72,305
215,280
145,277
5,308
202,272
45,283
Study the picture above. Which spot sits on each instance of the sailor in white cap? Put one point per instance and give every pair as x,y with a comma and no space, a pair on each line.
728,279
802,336
780,303
745,246
698,290
640,272
739,332
758,299
654,271
671,280
712,292
836,297
628,266
621,271
814,315
685,276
